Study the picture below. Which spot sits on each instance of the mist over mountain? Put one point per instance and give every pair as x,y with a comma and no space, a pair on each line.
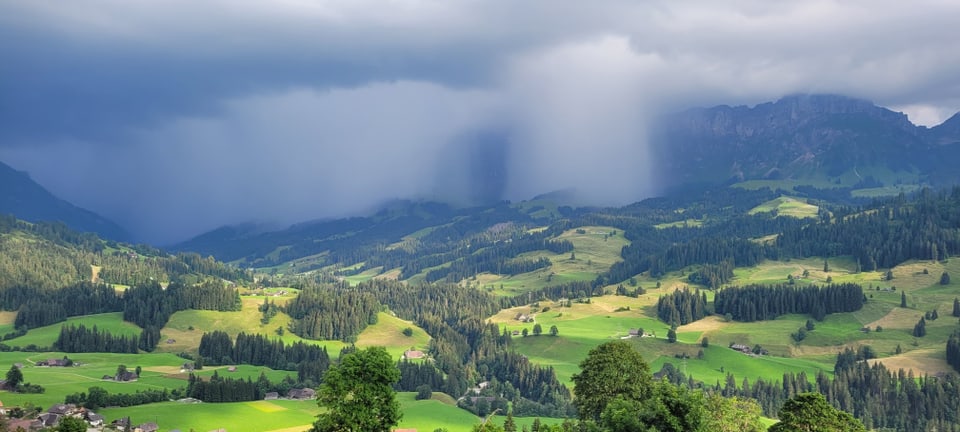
27,200
798,136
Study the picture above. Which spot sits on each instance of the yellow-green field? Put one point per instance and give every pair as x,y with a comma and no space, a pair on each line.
596,248
787,206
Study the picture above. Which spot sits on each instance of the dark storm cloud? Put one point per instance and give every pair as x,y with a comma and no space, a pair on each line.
174,117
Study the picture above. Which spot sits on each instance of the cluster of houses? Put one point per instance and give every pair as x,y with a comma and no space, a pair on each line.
51,418
64,362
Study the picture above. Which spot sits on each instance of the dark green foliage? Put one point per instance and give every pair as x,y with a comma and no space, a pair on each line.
920,329
97,397
151,305
945,278
220,389
413,375
408,332
956,307
79,339
763,302
366,376
953,350
310,361
682,307
424,392
149,338
14,377
671,335
71,424
613,371
810,412
713,275
903,299
335,312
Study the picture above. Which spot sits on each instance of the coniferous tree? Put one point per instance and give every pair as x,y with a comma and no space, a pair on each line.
920,329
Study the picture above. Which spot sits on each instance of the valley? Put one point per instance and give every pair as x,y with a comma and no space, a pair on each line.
760,287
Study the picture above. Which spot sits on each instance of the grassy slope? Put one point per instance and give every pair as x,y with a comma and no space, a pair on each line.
45,336
157,373
583,327
595,251
787,206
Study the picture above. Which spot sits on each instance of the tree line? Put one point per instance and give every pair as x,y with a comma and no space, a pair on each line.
766,302
332,312
311,361
80,339
682,307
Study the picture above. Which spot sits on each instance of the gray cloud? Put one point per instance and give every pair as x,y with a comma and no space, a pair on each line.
175,117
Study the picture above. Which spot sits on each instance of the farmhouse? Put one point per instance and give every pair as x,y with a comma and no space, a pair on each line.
95,420
271,396
147,427
304,393
126,376
742,348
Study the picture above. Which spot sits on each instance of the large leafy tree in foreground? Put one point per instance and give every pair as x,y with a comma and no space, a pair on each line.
810,412
611,371
358,395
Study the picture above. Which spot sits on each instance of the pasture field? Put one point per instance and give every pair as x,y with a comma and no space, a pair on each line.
159,371
46,336
595,249
787,206
584,326
291,416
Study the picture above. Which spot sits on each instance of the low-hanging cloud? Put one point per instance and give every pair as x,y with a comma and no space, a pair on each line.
177,117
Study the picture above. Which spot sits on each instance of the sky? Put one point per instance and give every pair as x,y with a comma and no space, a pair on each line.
176,117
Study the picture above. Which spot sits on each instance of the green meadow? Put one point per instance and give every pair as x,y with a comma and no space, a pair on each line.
787,206
291,416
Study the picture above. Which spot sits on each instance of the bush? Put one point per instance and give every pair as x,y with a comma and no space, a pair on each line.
424,392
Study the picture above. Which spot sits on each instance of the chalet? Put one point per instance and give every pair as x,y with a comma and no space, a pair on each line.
413,354
171,341
187,367
742,348
147,427
62,409
95,420
515,333
634,333
301,394
271,396
121,423
48,419
522,317
232,369
54,362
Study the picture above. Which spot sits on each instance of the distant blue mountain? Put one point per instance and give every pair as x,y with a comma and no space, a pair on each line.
27,200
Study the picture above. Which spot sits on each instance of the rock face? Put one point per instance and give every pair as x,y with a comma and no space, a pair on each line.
793,136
